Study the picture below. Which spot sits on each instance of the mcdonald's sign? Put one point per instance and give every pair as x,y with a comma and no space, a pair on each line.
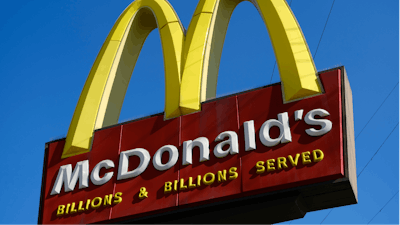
265,155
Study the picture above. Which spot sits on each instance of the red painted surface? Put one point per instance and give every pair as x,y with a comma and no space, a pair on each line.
226,114
151,134
259,106
214,118
105,146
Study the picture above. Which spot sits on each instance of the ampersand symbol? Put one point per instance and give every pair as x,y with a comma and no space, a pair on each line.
143,193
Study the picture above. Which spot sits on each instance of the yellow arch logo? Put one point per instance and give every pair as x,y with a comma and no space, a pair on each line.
191,61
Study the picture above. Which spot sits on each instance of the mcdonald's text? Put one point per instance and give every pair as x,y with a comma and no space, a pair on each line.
290,140
68,179
236,146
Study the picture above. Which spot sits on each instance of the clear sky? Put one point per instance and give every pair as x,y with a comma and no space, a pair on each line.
47,49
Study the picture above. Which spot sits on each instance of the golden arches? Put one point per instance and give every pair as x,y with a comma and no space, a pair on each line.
200,73
191,63
101,100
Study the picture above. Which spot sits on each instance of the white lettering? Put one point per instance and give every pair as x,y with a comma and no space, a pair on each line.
81,172
326,125
95,175
123,172
283,124
188,146
173,157
232,142
69,178
249,136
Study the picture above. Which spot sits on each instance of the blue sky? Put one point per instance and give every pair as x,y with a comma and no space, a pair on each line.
47,49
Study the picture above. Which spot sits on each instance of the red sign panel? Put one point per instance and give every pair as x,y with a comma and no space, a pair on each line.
237,146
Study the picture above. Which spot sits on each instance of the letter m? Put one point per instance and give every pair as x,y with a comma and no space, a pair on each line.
69,179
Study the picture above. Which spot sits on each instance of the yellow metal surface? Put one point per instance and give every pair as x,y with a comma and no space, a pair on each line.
101,100
195,47
191,63
296,67
295,63
204,6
